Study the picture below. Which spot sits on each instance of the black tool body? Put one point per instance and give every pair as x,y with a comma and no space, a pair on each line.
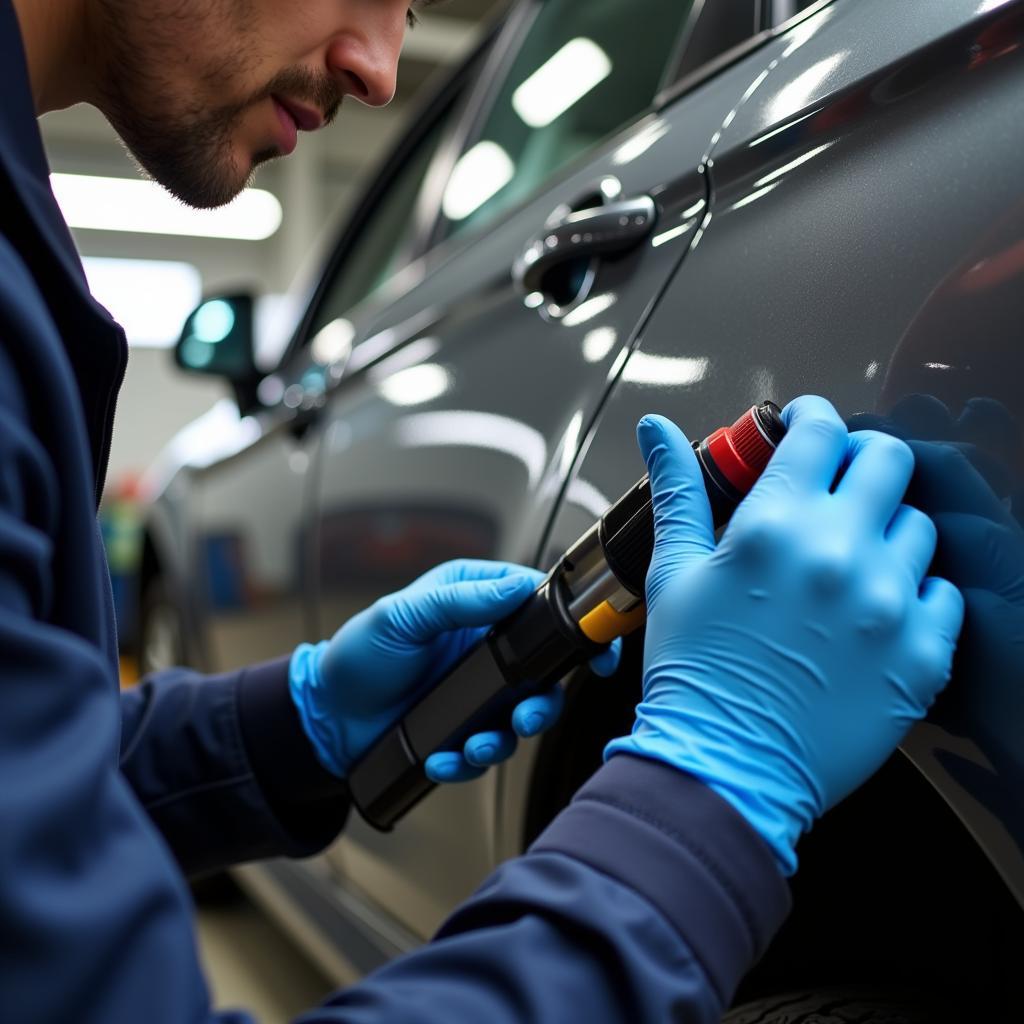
594,594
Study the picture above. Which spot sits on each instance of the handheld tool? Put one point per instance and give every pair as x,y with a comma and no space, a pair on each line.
594,594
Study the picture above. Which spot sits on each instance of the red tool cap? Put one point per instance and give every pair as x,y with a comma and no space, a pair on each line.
742,451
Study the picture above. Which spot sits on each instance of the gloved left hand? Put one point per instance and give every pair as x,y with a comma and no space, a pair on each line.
350,690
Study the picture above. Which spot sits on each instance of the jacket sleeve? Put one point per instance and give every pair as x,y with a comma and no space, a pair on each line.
96,920
223,768
646,900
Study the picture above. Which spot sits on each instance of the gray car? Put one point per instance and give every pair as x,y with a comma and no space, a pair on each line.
838,197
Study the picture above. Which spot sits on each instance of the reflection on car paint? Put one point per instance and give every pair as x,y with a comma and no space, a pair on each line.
463,428
967,478
953,390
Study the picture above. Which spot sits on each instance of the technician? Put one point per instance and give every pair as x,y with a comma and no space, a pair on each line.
781,667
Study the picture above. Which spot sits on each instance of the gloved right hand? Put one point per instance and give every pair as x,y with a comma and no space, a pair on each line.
784,666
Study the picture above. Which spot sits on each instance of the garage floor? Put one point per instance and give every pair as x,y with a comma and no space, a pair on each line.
250,964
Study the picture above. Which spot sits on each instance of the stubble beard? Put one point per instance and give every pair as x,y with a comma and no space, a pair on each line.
182,143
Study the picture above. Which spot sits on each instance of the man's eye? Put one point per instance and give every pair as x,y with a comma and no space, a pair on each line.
411,18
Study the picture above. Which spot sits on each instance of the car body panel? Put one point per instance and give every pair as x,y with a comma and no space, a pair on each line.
839,212
879,213
456,443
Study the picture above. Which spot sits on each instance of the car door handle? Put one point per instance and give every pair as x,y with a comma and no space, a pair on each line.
606,230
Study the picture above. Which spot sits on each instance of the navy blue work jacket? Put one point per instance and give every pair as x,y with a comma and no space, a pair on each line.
646,899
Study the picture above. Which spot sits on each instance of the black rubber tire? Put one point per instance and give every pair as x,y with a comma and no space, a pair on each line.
842,1006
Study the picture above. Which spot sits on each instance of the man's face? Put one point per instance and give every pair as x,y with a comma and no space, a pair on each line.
202,91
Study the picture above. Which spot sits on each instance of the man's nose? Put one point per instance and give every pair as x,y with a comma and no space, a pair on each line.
365,64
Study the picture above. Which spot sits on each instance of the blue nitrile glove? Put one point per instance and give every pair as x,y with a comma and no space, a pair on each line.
351,689
784,666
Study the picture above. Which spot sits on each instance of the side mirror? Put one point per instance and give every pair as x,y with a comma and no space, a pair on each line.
217,339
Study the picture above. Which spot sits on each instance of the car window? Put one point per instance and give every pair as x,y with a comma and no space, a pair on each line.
584,69
783,10
720,27
384,244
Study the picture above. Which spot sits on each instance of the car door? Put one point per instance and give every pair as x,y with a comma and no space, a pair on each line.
475,372
248,581
864,243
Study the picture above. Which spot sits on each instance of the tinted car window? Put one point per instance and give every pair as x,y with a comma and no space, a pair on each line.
584,69
783,10
720,27
384,245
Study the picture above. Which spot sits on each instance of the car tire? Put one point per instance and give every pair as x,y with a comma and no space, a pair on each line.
161,630
842,1006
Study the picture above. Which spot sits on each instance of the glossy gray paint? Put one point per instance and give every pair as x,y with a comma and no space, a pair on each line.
473,463
859,167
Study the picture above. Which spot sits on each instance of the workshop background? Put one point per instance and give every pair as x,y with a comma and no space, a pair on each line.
273,236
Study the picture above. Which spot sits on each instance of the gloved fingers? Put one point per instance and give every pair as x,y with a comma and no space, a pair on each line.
450,766
486,749
813,450
683,527
607,662
460,570
944,606
879,469
536,714
421,616
912,537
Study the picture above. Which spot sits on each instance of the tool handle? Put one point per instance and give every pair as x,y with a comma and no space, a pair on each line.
523,655
541,642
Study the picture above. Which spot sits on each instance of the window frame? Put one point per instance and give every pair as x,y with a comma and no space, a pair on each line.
528,12
687,82
455,89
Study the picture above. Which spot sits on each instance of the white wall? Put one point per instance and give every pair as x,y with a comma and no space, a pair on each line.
156,401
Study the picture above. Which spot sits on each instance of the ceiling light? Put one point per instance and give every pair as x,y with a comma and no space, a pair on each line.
128,204
480,173
560,82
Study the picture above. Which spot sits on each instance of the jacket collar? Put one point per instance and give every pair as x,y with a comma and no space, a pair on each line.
31,219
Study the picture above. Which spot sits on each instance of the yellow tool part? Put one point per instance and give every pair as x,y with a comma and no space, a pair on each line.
603,624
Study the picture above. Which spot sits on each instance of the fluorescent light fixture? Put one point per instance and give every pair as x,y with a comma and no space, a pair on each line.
150,299
128,204
561,82
481,172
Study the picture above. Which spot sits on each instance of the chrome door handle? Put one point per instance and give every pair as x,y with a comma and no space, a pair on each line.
606,230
